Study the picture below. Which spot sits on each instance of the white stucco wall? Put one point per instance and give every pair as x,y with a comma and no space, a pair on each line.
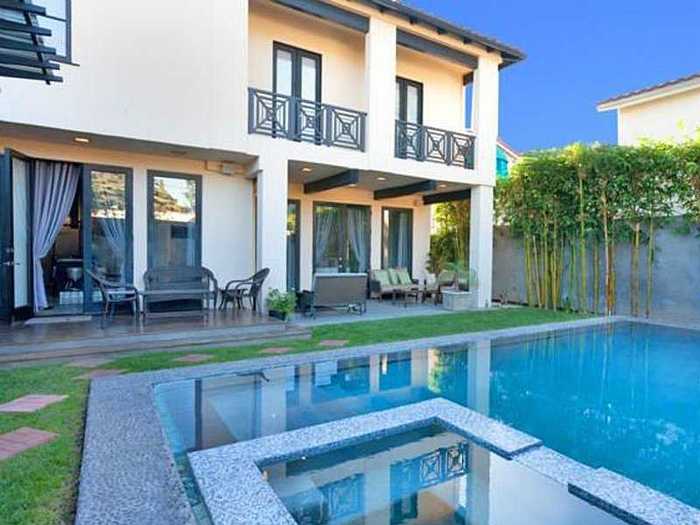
227,204
676,118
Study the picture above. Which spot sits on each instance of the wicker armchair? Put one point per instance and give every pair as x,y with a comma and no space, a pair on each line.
114,294
237,291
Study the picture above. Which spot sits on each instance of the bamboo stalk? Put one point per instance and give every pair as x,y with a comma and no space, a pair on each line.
650,266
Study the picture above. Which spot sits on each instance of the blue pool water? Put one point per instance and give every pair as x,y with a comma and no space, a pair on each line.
625,397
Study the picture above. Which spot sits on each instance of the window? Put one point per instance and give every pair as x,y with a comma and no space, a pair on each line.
293,245
397,238
174,220
296,72
409,101
58,20
341,238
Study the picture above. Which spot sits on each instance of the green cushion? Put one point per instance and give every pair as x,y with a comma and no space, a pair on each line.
404,277
446,278
382,276
393,276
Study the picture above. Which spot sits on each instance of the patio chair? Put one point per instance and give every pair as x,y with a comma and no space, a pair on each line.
389,282
237,290
445,279
114,294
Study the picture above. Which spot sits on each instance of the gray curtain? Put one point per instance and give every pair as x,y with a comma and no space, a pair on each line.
403,251
325,221
358,226
55,185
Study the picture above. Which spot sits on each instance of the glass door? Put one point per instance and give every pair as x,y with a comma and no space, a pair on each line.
397,238
293,245
107,228
341,238
15,237
409,115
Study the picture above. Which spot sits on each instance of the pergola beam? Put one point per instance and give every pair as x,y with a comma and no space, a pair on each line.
447,196
344,178
402,191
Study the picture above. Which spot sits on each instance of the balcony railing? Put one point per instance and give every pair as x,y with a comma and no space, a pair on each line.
423,143
292,118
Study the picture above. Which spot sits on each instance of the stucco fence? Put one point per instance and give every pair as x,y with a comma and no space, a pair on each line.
676,273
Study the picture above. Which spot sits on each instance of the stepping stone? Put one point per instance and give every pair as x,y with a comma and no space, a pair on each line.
276,350
194,358
23,439
100,372
333,343
89,362
30,403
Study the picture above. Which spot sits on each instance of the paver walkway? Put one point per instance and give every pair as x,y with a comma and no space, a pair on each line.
194,358
30,403
89,362
276,350
17,441
100,372
333,343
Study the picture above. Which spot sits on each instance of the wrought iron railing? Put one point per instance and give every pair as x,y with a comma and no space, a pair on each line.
293,118
423,143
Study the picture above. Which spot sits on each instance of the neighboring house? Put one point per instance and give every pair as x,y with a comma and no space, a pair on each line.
506,157
300,135
668,111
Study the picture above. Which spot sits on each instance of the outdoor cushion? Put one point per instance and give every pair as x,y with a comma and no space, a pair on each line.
382,277
404,277
393,276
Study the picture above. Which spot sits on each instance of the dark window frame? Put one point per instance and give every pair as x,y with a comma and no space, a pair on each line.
68,57
152,174
344,206
385,252
297,54
403,84
297,233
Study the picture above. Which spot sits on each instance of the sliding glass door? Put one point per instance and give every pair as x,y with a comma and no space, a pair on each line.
174,220
341,238
397,238
293,245
107,227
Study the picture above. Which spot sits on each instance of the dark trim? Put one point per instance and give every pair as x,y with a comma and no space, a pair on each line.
6,238
7,43
297,233
423,45
410,236
29,75
401,191
403,84
86,233
343,206
468,78
24,28
328,12
18,60
448,196
344,178
151,175
22,6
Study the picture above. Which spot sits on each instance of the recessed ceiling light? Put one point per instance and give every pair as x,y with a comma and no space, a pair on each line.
82,140
442,186
352,185
306,169
381,178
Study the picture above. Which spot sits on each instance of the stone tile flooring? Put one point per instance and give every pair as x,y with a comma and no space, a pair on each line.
333,343
89,362
194,358
30,403
17,441
276,350
100,372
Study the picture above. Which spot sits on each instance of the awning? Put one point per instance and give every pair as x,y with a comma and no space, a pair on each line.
22,53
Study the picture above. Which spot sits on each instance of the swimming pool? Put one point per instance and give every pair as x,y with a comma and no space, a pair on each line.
625,397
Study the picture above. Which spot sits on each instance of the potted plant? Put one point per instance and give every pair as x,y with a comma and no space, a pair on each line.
281,304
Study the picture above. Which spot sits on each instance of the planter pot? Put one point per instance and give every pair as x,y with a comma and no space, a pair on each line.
282,316
457,301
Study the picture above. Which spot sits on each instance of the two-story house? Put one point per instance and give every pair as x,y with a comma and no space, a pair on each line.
300,135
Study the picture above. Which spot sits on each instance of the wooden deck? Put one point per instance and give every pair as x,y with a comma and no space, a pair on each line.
80,336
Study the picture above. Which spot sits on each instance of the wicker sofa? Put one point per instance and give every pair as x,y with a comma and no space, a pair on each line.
336,290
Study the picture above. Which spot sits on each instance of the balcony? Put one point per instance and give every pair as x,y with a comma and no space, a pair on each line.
293,118
426,144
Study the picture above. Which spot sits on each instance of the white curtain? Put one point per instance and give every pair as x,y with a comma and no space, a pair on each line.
358,226
55,185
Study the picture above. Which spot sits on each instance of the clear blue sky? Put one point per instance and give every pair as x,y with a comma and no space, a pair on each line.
579,52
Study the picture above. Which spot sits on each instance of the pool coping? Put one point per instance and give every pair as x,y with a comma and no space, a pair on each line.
128,473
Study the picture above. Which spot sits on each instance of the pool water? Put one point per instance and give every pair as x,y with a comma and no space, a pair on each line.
427,477
625,397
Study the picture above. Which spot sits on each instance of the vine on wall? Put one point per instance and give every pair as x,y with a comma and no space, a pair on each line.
573,207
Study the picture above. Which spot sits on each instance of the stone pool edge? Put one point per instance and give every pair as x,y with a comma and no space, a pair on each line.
128,472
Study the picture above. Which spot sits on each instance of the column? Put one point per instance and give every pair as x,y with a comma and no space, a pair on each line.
481,242
380,87
271,227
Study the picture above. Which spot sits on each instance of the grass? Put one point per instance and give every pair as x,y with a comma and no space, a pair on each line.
39,486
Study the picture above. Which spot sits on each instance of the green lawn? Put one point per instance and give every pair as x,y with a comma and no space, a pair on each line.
39,486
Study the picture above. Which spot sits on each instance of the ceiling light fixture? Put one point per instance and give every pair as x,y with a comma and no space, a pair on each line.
306,169
381,178
82,140
442,186
352,185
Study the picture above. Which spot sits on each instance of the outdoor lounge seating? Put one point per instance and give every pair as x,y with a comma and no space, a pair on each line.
336,290
181,287
113,295
390,282
434,288
237,291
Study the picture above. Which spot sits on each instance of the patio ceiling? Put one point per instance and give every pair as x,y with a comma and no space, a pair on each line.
22,52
